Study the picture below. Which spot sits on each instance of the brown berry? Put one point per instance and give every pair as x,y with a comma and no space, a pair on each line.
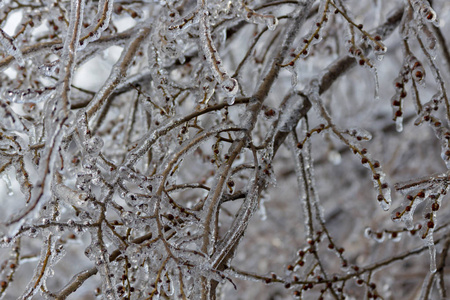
435,207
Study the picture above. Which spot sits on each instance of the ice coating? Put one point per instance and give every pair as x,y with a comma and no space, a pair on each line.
9,45
163,145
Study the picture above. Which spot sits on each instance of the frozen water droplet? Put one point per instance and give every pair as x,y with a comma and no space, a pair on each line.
386,203
396,237
50,69
271,22
33,232
231,86
428,13
11,96
359,281
109,294
6,241
368,232
93,145
379,52
379,236
50,272
127,218
79,229
230,100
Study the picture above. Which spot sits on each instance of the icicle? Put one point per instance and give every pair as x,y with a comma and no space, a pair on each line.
399,123
374,71
432,250
262,209
231,100
294,76
428,230
7,181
